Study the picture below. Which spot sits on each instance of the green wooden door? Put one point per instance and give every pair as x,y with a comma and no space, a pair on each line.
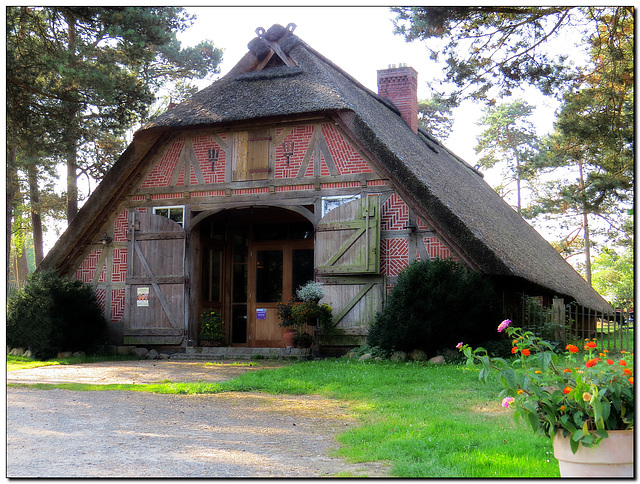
348,263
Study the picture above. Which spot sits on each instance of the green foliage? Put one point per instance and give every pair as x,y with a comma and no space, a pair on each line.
51,314
485,49
613,276
211,326
436,117
509,138
433,305
556,393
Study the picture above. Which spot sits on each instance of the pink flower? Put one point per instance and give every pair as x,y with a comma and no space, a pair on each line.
504,325
506,401
459,345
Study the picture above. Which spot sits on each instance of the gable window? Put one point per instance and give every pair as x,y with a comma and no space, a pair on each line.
175,213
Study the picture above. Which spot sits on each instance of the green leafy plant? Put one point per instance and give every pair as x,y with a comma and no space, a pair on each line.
52,314
583,393
433,304
211,326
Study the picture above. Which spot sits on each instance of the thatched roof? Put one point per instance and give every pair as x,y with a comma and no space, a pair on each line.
448,193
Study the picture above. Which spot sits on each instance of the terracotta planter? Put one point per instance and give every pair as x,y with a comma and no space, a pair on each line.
289,334
612,458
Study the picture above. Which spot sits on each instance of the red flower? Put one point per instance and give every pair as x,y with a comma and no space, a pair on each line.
622,362
572,348
514,350
592,363
627,371
526,352
610,362
590,344
567,390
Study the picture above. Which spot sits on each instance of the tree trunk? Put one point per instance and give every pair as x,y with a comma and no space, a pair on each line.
12,182
36,219
72,184
72,130
585,225
21,266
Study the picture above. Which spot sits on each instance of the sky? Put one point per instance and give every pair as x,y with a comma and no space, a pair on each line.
360,40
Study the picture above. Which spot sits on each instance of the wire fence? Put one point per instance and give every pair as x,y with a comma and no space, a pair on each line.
572,324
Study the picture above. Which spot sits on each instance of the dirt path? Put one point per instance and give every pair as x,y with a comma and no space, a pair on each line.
61,433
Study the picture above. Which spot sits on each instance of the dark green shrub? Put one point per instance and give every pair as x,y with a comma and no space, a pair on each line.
51,314
435,305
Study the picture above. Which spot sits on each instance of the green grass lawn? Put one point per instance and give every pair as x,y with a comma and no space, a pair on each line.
427,421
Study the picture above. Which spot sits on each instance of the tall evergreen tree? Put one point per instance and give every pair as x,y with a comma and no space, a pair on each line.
509,139
78,76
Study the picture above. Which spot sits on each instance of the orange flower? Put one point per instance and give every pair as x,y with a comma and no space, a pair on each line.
631,380
514,350
627,371
609,361
572,348
538,372
622,362
563,408
526,352
592,363
520,392
590,344
567,370
567,390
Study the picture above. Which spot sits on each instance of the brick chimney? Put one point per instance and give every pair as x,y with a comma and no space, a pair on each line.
400,86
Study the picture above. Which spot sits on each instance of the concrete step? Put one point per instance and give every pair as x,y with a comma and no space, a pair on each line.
240,353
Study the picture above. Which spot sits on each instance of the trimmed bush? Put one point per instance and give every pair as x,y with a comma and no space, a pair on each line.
51,314
435,305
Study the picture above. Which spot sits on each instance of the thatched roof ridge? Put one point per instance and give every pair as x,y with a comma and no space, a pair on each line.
441,187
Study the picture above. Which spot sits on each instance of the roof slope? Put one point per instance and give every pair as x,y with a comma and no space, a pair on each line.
448,192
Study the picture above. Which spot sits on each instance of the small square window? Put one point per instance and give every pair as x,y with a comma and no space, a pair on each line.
174,213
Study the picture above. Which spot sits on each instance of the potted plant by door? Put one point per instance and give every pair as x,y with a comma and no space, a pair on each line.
583,400
211,328
285,313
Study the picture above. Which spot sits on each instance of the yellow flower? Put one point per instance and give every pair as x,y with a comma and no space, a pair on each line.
520,392
586,396
538,372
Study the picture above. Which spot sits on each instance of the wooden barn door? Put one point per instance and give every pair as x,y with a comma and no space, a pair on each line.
348,262
155,309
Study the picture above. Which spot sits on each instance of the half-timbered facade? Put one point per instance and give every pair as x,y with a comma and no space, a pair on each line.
288,170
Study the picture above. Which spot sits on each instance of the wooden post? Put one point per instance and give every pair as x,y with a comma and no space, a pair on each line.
558,315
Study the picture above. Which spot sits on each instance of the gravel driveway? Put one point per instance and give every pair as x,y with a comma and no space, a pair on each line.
62,433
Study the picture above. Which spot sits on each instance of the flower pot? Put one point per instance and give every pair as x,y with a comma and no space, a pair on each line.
289,335
612,458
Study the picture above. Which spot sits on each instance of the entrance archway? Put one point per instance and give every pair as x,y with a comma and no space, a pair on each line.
246,261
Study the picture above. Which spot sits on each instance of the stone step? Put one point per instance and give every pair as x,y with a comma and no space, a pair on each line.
240,353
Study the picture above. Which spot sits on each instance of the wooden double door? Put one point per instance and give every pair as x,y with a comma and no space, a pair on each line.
251,259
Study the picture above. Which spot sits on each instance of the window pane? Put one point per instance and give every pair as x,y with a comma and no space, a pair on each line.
164,212
302,267
211,274
177,215
239,283
269,276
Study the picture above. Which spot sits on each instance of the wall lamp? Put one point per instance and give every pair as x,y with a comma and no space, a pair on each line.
106,239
